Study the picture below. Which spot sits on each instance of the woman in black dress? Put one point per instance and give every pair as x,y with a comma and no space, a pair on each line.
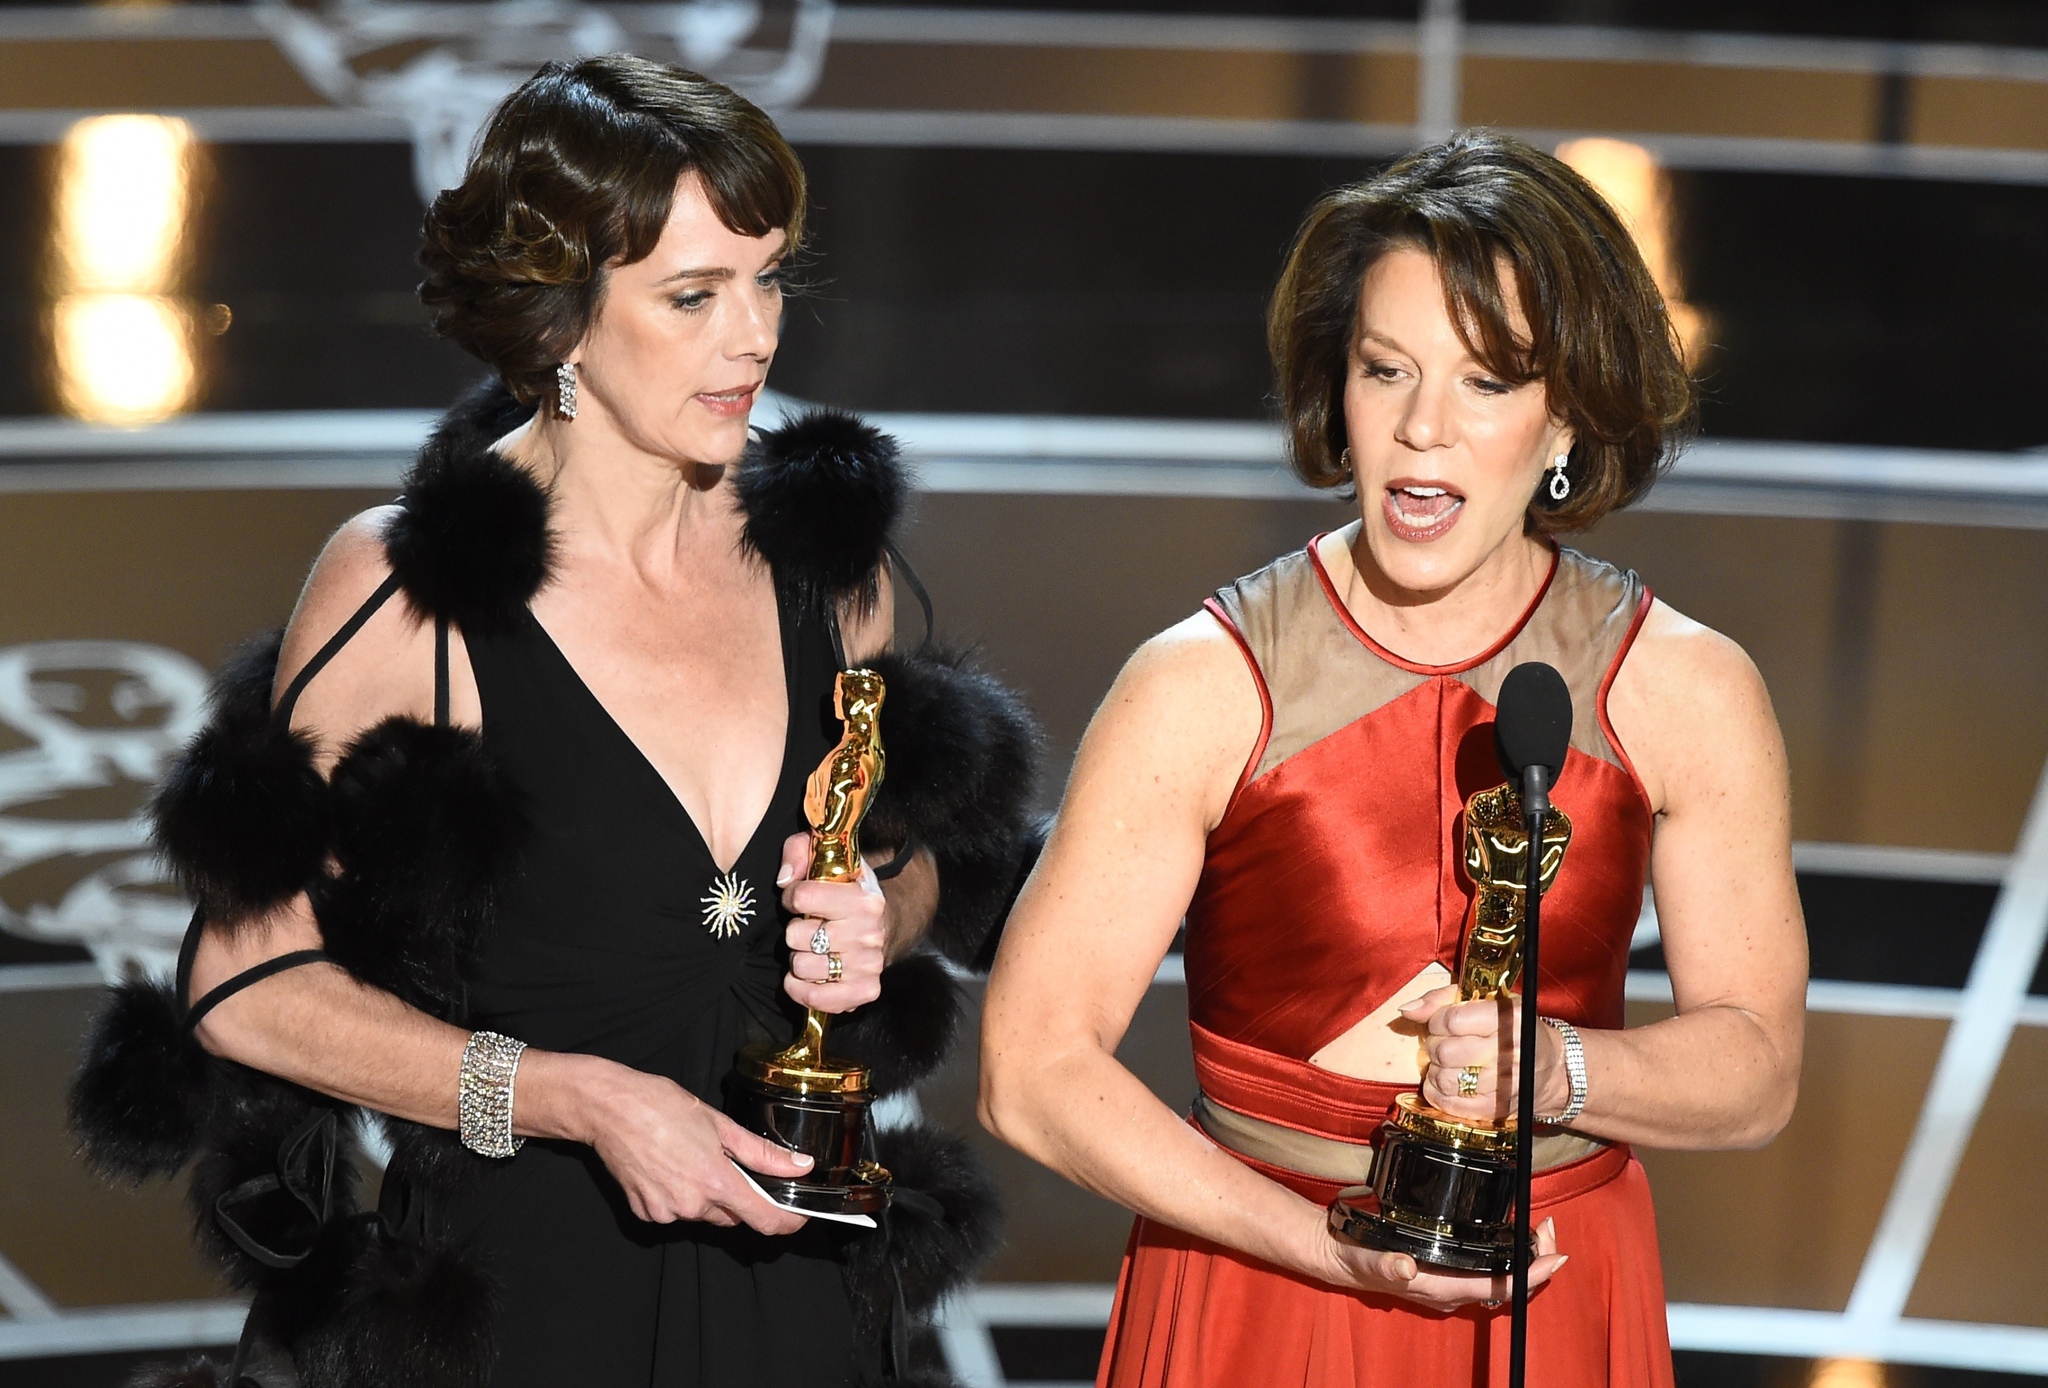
553,795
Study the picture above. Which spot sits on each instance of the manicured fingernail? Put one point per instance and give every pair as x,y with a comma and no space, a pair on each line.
1411,1004
785,875
805,1159
1563,1258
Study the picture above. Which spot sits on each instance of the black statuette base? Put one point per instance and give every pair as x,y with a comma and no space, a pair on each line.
832,1129
1440,1205
854,1198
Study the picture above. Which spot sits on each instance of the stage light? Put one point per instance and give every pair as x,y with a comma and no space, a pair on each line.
1630,178
1846,1373
123,358
121,337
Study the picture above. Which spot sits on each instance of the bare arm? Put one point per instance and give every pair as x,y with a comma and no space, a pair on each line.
1152,778
1724,1072
319,1027
1695,718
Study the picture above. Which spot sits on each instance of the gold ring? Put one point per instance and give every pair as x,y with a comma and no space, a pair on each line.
1468,1081
835,967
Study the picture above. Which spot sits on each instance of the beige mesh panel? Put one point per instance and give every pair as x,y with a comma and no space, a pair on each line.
1579,629
1320,677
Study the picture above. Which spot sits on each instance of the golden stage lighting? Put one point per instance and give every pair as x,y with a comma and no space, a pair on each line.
1632,181
123,358
121,337
1846,1373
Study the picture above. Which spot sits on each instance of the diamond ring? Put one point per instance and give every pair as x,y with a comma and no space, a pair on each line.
1468,1081
835,968
821,940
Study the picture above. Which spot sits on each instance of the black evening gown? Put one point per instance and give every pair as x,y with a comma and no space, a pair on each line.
602,946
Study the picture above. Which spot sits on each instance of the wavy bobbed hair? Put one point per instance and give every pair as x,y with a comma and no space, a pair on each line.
1600,339
575,172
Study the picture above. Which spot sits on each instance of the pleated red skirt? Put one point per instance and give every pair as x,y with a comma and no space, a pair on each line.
1193,1314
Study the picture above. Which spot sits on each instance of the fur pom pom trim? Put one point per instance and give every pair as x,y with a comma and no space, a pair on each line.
390,1312
975,897
433,1159
903,1036
471,540
821,495
1029,849
945,1224
251,1117
426,830
140,1094
243,817
963,761
367,1309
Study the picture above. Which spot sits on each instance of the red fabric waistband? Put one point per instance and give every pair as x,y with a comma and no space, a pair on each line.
1310,1099
1545,1187
1292,1093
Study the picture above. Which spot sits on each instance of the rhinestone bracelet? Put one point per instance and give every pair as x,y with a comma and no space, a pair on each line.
484,1098
1574,1069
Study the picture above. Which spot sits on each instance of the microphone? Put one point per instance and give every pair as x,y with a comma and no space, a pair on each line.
1532,734
1532,731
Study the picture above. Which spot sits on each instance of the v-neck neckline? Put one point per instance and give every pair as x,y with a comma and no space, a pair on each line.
668,792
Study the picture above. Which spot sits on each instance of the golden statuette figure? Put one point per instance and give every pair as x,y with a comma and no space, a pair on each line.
798,1095
835,801
1442,1187
1496,851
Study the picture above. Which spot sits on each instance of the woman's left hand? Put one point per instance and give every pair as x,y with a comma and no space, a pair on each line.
1483,1034
852,917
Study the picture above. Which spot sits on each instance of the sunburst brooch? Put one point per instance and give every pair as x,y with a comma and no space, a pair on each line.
728,906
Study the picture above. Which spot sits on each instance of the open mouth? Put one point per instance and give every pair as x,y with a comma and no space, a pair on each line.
1422,511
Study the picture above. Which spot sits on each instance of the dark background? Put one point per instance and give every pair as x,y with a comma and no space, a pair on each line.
1883,311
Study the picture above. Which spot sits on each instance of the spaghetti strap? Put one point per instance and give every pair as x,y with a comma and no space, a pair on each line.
255,973
901,566
283,712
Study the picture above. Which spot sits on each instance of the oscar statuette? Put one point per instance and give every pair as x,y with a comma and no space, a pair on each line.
799,1095
1442,1188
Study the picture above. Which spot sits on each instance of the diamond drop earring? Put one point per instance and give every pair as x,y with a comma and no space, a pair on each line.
1560,485
565,391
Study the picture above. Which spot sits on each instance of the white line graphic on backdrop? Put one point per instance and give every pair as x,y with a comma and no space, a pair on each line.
98,716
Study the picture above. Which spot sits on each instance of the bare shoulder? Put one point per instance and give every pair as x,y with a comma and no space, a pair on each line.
1677,656
1686,693
1184,712
1194,658
348,571
386,667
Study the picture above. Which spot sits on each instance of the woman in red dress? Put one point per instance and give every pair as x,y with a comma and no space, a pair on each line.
1472,343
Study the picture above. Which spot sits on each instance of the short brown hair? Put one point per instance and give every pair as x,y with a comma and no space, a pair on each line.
1600,339
575,171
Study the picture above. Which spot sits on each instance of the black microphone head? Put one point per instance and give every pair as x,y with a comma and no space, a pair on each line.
1532,723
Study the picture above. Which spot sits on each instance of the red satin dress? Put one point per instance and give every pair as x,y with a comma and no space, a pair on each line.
1335,876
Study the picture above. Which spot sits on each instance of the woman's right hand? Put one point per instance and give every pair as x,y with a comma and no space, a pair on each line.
670,1152
1347,1264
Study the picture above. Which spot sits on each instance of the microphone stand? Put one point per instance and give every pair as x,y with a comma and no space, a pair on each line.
1535,810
